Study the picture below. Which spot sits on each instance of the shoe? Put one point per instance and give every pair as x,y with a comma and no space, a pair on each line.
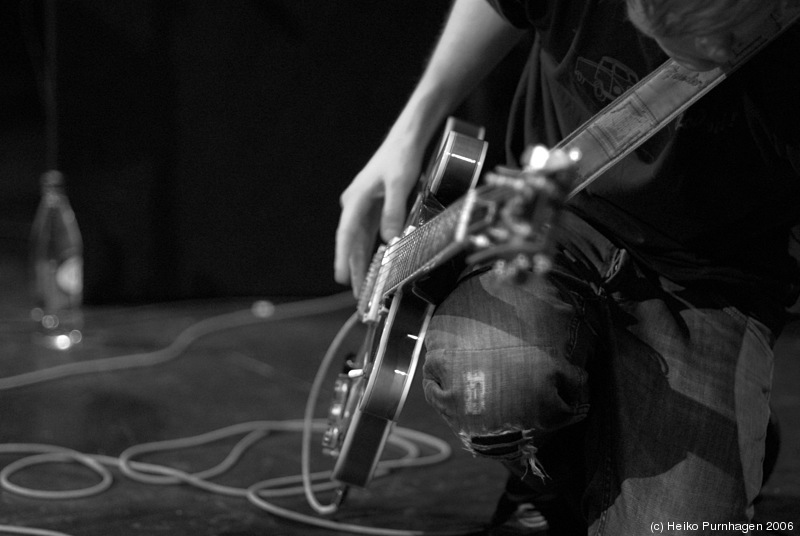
524,521
537,511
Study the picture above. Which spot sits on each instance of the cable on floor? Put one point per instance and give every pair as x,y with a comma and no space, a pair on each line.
408,441
259,494
260,311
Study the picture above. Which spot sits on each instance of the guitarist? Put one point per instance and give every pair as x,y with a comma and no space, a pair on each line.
631,385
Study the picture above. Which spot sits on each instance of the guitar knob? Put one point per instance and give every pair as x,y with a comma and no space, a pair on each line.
359,372
331,441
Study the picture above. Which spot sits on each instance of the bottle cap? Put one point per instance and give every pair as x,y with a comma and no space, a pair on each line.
52,178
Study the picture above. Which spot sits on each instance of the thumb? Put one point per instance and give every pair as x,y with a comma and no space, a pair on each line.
394,213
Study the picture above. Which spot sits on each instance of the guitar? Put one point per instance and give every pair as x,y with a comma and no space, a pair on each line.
506,221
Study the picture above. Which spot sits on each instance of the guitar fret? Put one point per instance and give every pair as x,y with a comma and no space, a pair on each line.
424,243
401,267
421,253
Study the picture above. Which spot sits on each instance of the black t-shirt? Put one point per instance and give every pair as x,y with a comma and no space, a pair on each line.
713,196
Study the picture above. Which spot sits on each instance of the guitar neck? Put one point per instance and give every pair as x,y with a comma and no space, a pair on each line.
425,247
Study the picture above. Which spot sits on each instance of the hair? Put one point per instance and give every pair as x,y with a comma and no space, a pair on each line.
675,18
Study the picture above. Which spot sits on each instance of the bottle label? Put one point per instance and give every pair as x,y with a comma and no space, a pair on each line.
69,276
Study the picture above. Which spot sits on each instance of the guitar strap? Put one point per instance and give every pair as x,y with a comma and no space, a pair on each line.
656,100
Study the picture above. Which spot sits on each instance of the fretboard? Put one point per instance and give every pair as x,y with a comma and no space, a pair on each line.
418,248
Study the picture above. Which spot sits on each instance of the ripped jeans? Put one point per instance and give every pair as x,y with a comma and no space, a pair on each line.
638,399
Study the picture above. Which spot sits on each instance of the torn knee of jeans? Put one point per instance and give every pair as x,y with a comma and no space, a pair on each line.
508,446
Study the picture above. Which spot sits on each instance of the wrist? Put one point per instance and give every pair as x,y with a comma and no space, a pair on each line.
419,122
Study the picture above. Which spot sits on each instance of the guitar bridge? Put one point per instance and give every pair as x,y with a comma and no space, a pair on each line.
332,438
339,412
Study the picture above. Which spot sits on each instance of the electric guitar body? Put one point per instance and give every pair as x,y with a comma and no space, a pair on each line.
372,390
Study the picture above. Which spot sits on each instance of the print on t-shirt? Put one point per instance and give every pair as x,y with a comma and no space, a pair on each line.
608,78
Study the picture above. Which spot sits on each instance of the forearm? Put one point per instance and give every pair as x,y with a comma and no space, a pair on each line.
473,41
475,38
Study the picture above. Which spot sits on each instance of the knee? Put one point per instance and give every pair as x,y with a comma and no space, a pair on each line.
499,401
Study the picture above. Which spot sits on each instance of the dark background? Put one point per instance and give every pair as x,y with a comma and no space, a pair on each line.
205,142
205,145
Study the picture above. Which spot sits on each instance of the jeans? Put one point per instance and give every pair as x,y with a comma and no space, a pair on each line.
640,400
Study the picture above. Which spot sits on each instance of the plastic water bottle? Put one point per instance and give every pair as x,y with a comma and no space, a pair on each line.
57,267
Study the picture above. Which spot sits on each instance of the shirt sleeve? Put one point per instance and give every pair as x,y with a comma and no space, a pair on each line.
514,11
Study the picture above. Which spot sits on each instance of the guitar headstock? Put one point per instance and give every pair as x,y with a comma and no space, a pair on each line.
520,242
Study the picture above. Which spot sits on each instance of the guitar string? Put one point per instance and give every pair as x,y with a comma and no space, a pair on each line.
444,221
440,229
437,234
412,256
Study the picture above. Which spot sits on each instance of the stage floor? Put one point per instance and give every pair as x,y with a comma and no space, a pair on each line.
190,368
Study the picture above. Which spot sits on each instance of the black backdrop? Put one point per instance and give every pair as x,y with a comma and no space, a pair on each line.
205,142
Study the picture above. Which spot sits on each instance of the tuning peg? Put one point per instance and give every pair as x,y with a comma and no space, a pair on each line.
541,263
535,157
522,267
540,158
516,270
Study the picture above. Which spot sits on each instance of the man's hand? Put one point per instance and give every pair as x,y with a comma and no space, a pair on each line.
375,202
